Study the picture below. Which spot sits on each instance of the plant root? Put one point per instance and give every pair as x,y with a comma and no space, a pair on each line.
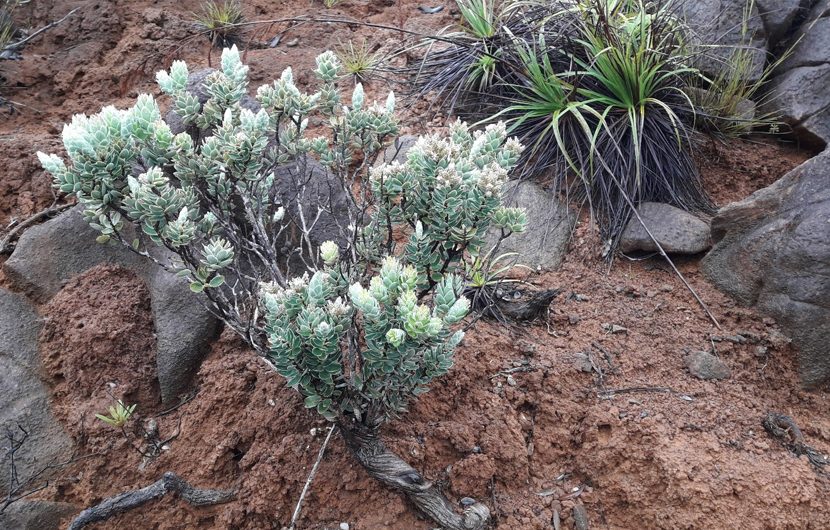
133,499
386,467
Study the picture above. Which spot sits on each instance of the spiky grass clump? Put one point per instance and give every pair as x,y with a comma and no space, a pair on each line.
596,90
220,22
8,28
724,102
464,72
359,62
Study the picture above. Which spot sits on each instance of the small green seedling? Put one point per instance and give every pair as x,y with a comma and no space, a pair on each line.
118,414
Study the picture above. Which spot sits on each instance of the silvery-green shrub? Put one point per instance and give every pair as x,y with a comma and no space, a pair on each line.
369,323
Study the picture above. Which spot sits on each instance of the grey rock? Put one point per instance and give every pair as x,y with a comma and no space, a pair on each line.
196,86
704,365
36,515
550,224
720,22
677,231
779,15
25,398
773,252
49,254
325,207
19,331
802,99
184,330
396,152
813,49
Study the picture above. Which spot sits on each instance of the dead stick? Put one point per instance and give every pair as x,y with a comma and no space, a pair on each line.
15,46
654,239
637,389
5,243
666,257
311,477
133,499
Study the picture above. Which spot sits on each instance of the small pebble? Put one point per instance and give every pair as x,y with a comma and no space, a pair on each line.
467,501
511,381
580,517
344,526
476,450
293,42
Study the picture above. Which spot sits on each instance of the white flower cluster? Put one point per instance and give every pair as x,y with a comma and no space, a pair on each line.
492,179
384,172
273,290
433,148
448,177
338,307
514,146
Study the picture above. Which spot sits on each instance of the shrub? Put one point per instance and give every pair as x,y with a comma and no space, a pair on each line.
369,325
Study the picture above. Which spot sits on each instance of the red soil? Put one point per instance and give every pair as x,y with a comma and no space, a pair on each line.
694,457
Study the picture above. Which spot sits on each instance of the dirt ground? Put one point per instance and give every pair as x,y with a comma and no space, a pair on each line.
562,413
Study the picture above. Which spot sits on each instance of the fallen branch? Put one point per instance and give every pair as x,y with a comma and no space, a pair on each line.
637,389
311,477
5,243
17,45
133,499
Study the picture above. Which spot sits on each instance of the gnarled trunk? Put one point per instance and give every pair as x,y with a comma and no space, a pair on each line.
386,467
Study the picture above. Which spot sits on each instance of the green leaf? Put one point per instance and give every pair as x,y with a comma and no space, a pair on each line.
197,287
217,281
102,239
312,401
105,418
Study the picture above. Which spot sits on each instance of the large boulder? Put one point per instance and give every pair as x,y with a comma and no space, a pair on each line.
313,199
545,241
778,16
36,515
24,398
773,252
800,90
720,22
48,255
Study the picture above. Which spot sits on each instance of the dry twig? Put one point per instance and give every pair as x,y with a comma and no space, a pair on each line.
294,517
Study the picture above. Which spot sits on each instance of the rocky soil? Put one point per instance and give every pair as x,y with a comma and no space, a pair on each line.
560,413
